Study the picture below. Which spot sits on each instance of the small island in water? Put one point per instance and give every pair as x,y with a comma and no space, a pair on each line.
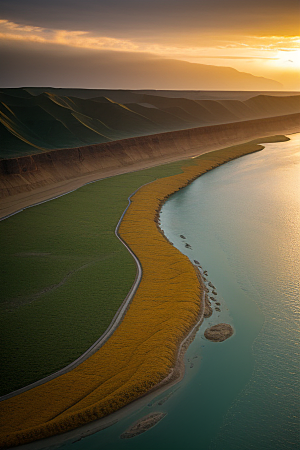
219,332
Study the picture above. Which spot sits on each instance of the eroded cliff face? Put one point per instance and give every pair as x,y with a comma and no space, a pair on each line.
28,173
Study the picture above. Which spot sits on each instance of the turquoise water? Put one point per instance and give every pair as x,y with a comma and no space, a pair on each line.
242,221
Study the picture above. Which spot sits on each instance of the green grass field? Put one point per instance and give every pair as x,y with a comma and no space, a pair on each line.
64,274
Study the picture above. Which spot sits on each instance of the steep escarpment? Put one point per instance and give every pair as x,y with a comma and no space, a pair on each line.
39,120
29,173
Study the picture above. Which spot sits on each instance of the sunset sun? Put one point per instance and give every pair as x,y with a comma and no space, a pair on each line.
288,59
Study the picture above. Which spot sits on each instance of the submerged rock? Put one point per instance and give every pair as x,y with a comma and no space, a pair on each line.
142,425
207,309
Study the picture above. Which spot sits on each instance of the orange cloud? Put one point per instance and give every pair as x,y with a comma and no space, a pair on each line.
216,46
79,39
259,55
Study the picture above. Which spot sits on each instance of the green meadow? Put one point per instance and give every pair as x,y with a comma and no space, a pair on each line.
64,275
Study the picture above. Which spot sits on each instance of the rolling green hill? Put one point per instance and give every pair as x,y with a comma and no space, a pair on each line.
34,120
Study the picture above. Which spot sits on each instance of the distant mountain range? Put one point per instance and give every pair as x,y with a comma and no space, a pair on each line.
177,74
56,65
34,120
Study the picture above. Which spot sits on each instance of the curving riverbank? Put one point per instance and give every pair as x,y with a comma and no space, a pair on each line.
149,323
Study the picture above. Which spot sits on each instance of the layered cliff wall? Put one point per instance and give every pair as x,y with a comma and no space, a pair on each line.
29,173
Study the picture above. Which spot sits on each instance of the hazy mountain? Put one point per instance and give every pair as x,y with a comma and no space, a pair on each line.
112,69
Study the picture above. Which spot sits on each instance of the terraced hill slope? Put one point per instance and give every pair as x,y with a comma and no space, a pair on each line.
36,120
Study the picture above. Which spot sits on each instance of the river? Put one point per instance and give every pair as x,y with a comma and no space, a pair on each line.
242,221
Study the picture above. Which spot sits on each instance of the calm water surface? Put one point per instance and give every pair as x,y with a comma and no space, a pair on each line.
242,221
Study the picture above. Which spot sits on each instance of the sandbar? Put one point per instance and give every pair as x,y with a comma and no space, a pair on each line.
142,425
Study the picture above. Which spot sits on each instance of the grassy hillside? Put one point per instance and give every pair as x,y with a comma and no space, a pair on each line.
34,120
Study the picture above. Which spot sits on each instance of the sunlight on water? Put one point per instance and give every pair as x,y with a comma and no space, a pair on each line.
266,416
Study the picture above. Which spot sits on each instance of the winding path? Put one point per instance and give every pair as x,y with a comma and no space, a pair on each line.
118,317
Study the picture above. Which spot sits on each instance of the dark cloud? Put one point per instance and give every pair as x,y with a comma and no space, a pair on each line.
130,18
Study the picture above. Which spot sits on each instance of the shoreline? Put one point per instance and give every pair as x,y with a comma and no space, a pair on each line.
181,349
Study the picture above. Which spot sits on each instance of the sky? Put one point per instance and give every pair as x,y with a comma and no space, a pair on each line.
107,44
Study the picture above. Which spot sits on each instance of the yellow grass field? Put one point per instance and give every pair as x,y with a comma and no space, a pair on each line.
143,349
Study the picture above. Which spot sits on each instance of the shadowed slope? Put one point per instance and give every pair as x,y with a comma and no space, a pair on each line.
39,172
44,121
